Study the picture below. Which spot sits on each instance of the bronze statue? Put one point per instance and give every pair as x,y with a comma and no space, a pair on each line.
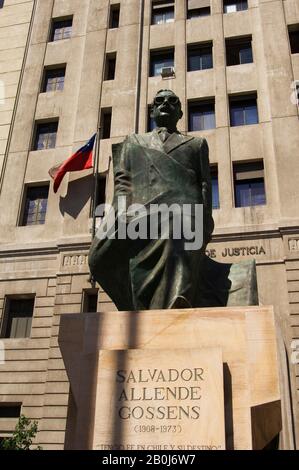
160,167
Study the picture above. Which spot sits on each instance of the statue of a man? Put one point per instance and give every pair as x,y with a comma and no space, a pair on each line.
162,167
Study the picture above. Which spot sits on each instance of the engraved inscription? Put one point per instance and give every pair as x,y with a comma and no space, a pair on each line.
75,260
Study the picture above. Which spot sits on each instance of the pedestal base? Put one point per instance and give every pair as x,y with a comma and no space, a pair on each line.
182,379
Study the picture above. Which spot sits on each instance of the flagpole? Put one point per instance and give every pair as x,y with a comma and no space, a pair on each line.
94,202
96,181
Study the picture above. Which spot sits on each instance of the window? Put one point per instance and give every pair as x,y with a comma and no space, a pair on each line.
231,6
294,38
114,16
10,411
45,136
215,187
18,317
9,416
249,184
35,205
238,51
297,92
162,11
101,193
54,79
61,29
243,110
1,3
110,66
198,13
198,8
159,60
151,123
200,57
201,115
106,119
90,300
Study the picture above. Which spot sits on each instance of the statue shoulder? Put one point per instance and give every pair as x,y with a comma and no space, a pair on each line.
136,138
200,141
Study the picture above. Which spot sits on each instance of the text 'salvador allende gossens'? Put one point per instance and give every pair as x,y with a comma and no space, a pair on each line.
143,389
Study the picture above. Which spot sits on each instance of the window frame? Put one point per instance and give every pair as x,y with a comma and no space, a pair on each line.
24,204
160,53
195,13
201,104
8,316
86,295
253,173
242,99
110,56
47,72
106,112
56,22
47,124
200,48
162,7
227,3
233,47
114,22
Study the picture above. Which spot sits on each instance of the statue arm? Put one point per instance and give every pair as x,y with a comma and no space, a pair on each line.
122,177
206,187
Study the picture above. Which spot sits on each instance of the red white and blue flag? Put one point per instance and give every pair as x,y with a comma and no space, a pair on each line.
80,160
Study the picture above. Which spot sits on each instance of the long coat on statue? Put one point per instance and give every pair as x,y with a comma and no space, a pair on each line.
147,274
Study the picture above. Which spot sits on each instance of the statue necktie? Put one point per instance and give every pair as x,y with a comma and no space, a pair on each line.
164,135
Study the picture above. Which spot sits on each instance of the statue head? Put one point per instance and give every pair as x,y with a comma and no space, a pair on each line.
166,109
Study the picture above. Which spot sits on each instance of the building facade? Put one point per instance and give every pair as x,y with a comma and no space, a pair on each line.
70,66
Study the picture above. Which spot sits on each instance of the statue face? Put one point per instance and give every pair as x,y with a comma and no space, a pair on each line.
166,109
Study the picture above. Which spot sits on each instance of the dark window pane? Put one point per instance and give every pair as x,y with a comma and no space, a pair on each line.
35,205
237,116
294,41
250,193
251,114
10,411
106,124
114,16
110,67
215,188
90,301
101,196
198,12
246,55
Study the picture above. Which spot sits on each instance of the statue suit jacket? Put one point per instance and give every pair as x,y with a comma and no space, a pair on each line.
148,171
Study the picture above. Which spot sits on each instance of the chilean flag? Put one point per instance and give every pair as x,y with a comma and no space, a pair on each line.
81,160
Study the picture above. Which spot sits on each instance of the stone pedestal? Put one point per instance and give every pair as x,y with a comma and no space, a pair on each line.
172,379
